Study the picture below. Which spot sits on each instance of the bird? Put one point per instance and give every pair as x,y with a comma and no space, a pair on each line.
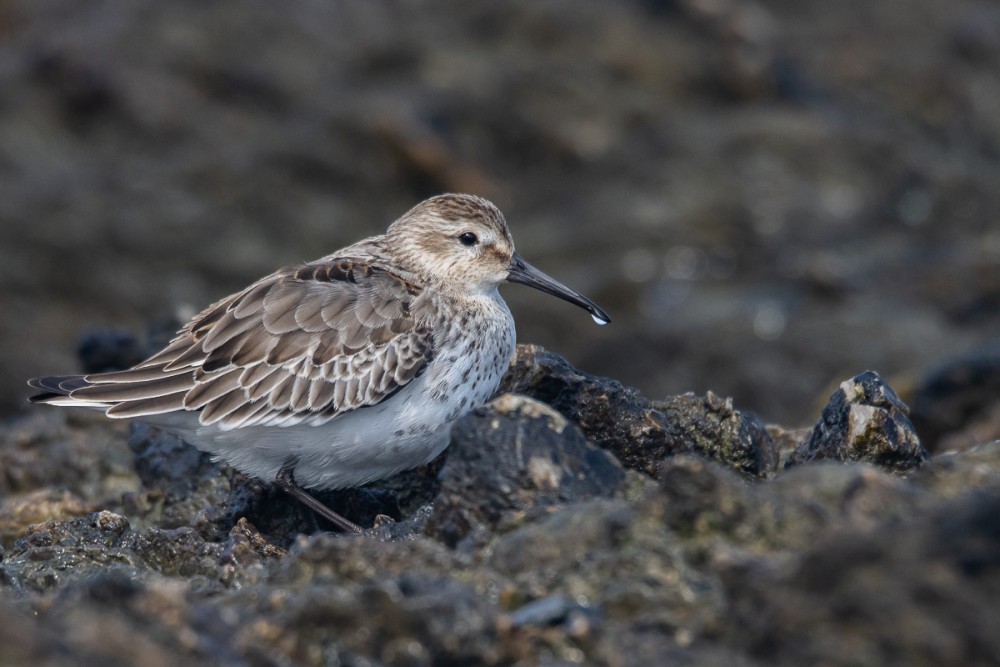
340,371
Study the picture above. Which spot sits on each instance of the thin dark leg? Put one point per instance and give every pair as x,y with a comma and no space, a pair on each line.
286,480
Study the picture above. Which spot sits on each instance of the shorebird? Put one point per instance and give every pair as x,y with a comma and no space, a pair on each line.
344,370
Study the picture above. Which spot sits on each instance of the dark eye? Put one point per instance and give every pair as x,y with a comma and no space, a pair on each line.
468,239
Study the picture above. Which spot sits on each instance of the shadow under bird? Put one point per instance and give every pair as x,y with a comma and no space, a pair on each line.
340,371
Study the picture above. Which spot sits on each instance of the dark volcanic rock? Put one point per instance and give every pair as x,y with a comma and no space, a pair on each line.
640,432
958,403
711,427
115,619
169,465
510,457
59,464
100,351
53,553
564,558
917,593
864,421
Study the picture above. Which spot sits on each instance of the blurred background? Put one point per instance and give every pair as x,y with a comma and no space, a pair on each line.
768,196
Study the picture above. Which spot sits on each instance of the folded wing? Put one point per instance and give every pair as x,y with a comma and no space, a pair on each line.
300,346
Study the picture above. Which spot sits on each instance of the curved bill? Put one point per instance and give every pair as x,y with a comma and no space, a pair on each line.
520,271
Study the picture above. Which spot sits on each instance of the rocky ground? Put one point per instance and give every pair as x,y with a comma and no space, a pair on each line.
571,521
769,198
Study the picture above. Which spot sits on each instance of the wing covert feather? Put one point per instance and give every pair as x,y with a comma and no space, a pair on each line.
300,346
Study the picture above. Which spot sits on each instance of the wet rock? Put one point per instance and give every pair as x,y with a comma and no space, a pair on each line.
701,501
639,432
180,482
168,464
344,594
55,465
787,439
864,420
112,618
23,510
953,473
711,427
617,558
549,611
701,566
917,593
77,452
512,457
958,404
100,351
53,553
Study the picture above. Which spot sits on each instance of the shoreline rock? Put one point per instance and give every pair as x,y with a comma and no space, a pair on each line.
541,536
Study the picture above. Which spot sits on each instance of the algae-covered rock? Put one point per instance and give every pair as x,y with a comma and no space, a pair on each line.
526,542
640,432
514,456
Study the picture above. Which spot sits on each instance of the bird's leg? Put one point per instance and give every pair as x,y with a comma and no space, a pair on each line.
286,480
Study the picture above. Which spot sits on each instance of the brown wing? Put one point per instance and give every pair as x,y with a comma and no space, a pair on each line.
302,345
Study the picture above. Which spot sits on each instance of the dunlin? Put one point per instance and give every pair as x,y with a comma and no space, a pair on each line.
344,370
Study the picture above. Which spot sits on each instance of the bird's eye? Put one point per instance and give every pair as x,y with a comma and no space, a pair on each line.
468,239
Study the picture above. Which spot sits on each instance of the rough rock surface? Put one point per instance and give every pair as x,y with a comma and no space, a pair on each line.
864,420
510,457
957,404
640,432
525,543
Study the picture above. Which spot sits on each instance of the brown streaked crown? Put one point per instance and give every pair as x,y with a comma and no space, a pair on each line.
426,240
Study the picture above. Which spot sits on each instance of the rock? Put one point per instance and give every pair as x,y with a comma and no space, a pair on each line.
176,470
711,427
702,501
100,351
511,457
953,473
916,593
561,553
958,404
53,553
59,465
864,420
112,618
341,593
618,560
75,451
639,432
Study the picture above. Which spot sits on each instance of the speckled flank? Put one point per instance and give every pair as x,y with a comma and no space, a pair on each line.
355,365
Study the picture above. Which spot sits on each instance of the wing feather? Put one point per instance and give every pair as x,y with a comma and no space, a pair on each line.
211,388
303,345
156,405
267,384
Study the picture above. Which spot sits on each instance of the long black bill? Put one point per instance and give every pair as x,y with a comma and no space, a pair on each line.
520,271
